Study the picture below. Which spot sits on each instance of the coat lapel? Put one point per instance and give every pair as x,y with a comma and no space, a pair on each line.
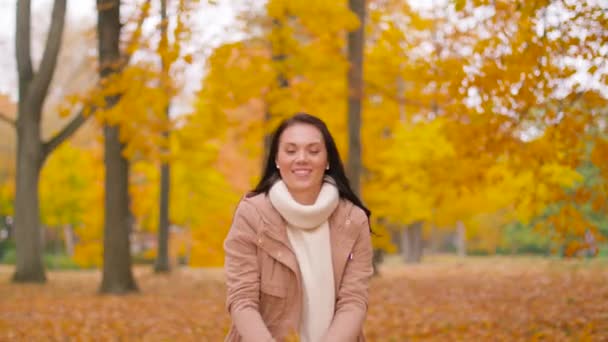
273,239
272,236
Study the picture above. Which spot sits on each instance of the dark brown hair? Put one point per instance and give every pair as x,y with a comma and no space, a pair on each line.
336,169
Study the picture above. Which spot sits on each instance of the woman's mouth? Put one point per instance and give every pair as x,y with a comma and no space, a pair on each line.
302,172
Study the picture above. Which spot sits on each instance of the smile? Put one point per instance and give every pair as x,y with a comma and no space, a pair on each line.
302,172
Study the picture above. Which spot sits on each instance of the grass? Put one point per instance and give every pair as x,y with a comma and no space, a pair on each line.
57,261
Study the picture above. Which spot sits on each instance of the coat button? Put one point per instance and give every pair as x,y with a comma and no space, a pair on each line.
279,254
260,241
347,222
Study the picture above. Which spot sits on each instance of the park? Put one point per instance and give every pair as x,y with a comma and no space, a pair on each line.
476,132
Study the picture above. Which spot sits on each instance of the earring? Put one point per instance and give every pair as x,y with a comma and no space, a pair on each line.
327,167
277,165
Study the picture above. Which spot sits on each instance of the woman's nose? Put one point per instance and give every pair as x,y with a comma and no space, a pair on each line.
301,156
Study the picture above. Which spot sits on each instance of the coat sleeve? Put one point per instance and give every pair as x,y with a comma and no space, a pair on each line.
352,296
243,275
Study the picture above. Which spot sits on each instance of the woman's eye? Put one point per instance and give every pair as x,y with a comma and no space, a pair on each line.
314,152
290,151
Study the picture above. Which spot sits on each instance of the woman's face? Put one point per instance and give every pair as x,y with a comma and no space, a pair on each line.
302,159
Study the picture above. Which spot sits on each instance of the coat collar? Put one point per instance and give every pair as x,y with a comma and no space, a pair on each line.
340,233
276,225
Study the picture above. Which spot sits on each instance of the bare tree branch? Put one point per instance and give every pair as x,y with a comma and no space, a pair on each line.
44,75
80,118
22,46
65,133
5,118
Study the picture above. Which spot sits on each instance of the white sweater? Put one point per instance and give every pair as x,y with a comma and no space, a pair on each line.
308,233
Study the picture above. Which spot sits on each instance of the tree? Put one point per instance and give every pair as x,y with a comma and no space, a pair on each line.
499,93
278,37
162,257
169,55
117,273
31,150
356,42
462,125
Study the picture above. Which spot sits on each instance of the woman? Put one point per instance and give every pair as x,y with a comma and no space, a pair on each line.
299,254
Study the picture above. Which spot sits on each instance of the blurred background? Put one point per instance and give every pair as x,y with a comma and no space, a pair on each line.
469,127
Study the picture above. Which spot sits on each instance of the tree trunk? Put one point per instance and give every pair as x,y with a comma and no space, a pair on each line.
355,94
278,58
396,239
461,244
435,242
29,265
412,243
162,264
162,256
405,244
117,275
31,151
377,259
68,238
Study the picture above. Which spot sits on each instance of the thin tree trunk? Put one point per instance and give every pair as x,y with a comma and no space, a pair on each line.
267,135
68,238
162,257
117,275
418,243
396,239
435,240
377,259
403,241
461,243
279,56
412,243
405,244
355,95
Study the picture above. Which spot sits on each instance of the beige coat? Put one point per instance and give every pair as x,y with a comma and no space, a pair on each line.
264,295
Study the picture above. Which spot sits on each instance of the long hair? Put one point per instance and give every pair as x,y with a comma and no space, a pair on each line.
336,169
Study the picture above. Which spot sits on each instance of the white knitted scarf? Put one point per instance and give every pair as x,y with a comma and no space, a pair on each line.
308,233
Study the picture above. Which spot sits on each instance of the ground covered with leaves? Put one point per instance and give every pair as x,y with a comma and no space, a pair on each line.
481,299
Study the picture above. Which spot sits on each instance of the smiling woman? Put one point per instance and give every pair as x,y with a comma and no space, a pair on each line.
299,254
